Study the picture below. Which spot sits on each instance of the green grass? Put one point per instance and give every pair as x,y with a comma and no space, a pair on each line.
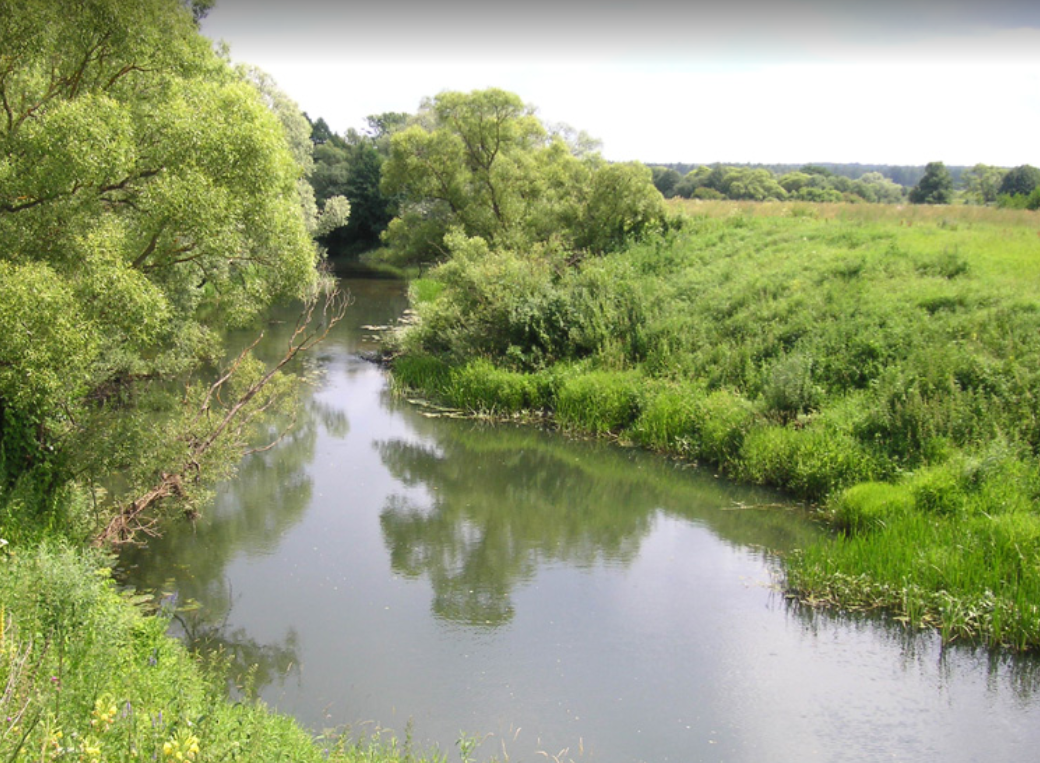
88,676
881,362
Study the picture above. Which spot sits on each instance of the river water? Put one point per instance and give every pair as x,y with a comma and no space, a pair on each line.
437,577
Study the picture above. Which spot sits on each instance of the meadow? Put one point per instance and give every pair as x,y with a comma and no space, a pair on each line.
878,362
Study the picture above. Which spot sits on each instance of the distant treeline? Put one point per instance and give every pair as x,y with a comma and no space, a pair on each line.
809,182
905,175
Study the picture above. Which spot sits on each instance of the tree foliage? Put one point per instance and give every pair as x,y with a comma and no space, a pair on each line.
350,166
1021,180
807,183
145,190
936,187
982,183
483,163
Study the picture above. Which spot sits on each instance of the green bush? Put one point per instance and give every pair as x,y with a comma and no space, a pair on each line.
725,419
670,420
600,401
809,462
421,372
789,389
869,506
938,490
480,386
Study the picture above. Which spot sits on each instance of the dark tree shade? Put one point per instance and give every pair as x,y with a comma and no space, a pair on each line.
665,180
936,187
1021,180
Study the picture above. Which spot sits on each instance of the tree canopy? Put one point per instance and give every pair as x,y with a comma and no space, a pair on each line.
483,162
146,189
1021,180
936,187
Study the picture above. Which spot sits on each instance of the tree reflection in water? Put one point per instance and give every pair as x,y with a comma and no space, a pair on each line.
503,502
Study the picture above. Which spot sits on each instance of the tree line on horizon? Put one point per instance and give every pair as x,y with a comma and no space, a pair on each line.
935,183
350,165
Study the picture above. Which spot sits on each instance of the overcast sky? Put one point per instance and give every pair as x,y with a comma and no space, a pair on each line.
808,81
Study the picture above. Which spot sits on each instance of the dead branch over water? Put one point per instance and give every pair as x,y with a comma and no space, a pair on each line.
312,327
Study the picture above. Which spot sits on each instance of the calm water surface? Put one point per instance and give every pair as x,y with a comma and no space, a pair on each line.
584,601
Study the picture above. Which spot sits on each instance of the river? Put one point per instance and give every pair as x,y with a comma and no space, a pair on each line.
437,577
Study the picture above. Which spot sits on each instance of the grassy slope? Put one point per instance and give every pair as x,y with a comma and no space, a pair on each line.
881,361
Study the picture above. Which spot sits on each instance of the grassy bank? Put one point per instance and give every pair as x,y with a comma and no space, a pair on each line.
880,362
87,677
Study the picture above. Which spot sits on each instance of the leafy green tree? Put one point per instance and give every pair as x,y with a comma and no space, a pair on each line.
1020,181
875,187
148,197
746,183
792,182
692,180
483,163
351,167
665,180
936,187
983,182
320,132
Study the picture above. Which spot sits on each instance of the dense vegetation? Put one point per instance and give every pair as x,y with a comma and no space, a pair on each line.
151,196
879,362
351,167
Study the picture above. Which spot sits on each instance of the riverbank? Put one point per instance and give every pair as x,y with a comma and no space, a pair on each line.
89,676
879,363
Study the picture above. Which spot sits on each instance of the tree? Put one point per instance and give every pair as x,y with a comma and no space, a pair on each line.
351,167
483,163
665,180
875,187
982,183
936,187
320,132
1020,181
148,199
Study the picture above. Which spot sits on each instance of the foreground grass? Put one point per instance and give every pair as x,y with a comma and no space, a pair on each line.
880,362
85,676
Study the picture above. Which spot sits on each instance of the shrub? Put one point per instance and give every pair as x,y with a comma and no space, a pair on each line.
809,462
600,401
938,489
480,386
670,420
789,389
725,419
421,372
869,506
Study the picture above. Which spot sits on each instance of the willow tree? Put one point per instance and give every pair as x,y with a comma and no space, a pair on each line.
147,196
484,163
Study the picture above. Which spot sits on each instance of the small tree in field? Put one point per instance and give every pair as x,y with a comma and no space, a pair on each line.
936,187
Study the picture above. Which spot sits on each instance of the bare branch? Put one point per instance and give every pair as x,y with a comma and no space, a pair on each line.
309,331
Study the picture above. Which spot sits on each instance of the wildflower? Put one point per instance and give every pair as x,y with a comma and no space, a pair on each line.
183,747
104,713
92,749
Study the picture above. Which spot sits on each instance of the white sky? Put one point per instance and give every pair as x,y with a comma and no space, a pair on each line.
788,81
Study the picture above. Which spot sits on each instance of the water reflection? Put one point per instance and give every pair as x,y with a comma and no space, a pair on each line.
504,501
249,666
248,516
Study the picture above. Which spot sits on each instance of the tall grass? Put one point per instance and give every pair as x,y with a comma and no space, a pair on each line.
864,357
86,676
